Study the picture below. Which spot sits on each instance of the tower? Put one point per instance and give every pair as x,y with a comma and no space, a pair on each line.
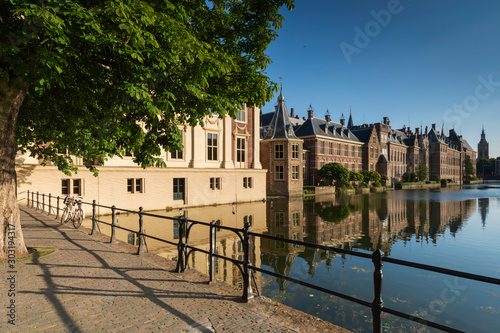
483,147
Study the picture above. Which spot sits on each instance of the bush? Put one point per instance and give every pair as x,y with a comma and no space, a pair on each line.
349,186
377,184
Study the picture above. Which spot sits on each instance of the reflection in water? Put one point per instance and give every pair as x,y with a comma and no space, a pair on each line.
414,220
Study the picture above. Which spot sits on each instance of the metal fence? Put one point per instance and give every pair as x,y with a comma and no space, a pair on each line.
39,202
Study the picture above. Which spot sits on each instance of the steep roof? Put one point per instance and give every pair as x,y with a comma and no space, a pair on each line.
320,127
280,126
363,134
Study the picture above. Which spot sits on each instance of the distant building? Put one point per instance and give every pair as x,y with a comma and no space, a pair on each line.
375,147
483,147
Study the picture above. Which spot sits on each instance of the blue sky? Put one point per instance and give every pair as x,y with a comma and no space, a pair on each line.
414,61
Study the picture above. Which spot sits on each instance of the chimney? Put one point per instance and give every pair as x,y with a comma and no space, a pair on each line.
434,126
310,113
342,121
426,130
417,131
386,121
292,112
327,118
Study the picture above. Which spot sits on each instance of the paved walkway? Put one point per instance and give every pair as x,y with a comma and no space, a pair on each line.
89,286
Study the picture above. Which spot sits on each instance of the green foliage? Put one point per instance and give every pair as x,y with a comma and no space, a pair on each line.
334,171
409,177
485,166
306,191
384,178
468,168
334,214
422,172
105,77
371,176
355,176
377,184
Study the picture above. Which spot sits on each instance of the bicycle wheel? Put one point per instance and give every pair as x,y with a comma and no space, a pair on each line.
64,215
78,218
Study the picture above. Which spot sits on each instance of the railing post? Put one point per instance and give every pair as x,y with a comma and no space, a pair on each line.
180,246
211,257
43,202
377,303
37,200
247,285
140,233
50,206
32,199
94,221
57,209
28,201
113,224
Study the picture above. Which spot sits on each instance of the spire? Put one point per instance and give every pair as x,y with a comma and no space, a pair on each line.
442,131
350,123
281,127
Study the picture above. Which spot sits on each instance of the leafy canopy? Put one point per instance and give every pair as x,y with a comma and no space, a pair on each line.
334,171
105,77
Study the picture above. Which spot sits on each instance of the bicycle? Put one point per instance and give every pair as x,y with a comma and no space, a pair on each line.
73,211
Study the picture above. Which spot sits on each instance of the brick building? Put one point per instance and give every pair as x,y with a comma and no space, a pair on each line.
375,147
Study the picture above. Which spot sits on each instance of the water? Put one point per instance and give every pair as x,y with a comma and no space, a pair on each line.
455,228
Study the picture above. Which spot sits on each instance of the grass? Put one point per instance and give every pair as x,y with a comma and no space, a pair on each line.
34,252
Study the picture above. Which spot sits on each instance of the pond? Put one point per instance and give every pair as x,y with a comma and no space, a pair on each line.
456,228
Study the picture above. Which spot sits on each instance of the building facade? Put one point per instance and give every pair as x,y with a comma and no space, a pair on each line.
220,163
374,147
483,147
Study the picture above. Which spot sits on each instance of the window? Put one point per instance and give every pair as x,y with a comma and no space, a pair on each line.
346,150
215,183
212,146
135,185
278,172
278,151
138,185
241,115
177,154
330,148
179,184
322,147
65,186
249,219
338,149
247,182
296,219
240,149
72,186
295,152
280,219
295,172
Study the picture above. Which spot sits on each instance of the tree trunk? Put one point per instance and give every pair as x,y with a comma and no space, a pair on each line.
11,236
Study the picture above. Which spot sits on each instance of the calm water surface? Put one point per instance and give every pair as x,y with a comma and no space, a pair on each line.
455,228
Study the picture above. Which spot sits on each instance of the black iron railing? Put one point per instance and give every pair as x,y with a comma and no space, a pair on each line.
245,266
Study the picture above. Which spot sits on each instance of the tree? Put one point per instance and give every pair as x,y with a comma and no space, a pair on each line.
334,171
422,172
468,168
355,176
95,79
371,176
